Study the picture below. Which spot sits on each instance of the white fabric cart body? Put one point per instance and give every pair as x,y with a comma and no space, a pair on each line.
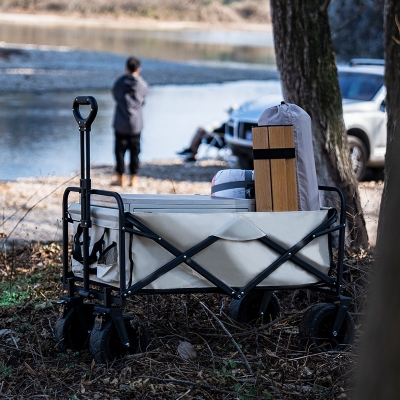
136,244
242,244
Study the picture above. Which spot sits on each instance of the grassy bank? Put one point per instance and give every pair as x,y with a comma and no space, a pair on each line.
255,11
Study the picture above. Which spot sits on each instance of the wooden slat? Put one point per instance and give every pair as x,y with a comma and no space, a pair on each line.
292,194
276,135
262,171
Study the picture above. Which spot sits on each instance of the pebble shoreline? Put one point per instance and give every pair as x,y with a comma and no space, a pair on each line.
32,207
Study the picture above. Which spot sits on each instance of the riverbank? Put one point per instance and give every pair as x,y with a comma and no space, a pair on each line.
31,208
68,51
38,68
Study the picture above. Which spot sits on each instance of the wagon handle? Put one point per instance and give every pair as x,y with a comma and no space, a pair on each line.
85,100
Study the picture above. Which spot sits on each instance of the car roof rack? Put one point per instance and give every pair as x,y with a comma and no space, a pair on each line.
366,61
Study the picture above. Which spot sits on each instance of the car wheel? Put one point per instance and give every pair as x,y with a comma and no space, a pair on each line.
358,155
245,163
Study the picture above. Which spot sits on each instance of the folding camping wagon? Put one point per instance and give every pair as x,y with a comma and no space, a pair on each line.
127,245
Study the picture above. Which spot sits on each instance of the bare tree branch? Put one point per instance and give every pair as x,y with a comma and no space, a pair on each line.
324,6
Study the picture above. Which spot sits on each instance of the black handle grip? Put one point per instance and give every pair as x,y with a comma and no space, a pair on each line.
84,101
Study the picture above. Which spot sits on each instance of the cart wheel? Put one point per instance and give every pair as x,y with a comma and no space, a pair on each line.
69,332
316,326
246,310
105,345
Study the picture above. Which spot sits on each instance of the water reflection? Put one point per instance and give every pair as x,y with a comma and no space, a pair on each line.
39,136
181,45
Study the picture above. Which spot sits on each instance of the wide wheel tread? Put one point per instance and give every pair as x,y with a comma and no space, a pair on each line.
68,332
59,333
101,342
311,321
237,308
356,142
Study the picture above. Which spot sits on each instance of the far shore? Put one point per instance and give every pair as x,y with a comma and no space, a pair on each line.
44,65
124,22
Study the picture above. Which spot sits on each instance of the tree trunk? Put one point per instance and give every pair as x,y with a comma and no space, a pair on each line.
307,67
379,364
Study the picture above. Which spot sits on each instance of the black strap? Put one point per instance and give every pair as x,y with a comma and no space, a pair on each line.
77,251
231,185
130,258
248,175
97,247
270,154
113,244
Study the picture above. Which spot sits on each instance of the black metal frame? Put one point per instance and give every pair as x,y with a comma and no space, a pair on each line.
115,298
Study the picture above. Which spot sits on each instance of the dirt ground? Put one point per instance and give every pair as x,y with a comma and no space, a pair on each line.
230,360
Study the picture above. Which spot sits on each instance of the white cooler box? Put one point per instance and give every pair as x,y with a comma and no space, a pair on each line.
176,203
236,258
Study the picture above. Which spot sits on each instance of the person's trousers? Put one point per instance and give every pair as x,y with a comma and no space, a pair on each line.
124,143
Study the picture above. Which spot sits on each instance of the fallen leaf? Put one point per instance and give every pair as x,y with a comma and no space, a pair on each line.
4,332
187,351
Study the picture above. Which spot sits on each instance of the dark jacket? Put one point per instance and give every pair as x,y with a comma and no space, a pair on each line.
129,93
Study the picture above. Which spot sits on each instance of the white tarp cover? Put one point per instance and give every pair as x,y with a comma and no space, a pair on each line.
307,184
235,259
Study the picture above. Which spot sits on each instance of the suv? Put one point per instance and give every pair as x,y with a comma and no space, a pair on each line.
363,93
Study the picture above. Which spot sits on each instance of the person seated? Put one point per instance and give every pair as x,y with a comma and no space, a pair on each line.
206,134
203,134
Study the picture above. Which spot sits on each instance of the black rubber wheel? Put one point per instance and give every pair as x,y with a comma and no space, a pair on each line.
358,155
105,345
316,326
246,310
69,332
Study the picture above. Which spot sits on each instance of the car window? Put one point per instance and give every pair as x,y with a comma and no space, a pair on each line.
359,86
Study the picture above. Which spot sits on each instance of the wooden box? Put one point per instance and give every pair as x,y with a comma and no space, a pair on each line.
275,178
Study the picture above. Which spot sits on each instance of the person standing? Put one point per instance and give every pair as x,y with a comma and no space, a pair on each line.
129,92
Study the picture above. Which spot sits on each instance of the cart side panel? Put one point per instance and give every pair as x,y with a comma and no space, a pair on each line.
236,258
236,261
104,225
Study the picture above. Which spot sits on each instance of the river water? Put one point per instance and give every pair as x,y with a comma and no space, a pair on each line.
39,136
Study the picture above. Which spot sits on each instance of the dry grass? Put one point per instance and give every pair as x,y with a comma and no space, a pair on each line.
167,10
280,367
